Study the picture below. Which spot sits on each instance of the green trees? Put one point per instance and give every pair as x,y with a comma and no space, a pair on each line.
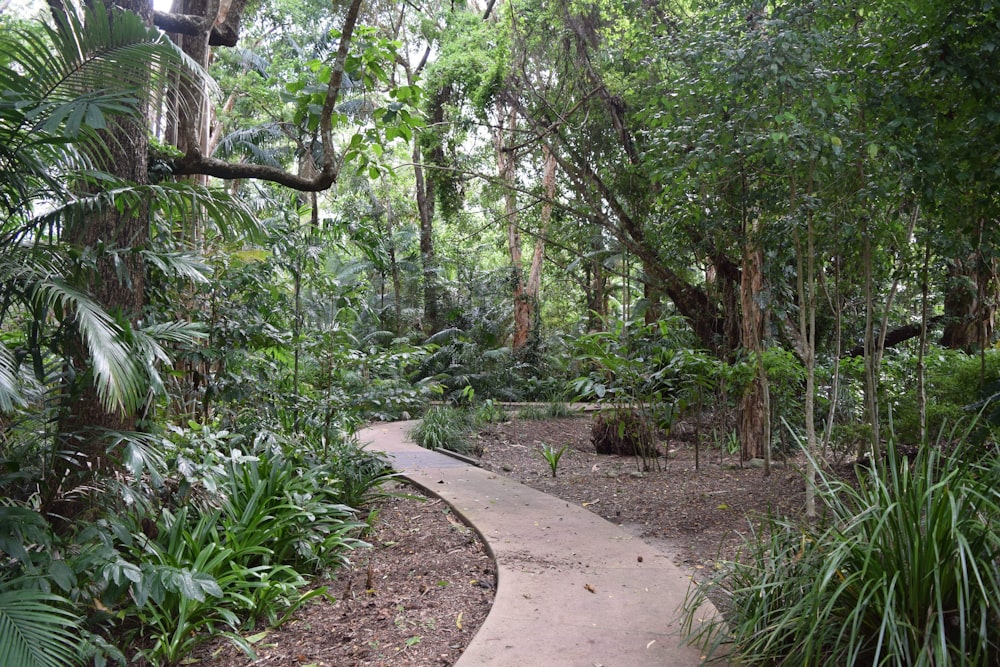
772,178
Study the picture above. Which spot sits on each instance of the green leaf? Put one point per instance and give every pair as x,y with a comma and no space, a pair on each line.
36,630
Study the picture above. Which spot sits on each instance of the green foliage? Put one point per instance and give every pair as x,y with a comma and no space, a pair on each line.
489,412
359,473
443,427
556,409
902,570
552,456
50,125
955,384
646,381
532,413
239,560
37,629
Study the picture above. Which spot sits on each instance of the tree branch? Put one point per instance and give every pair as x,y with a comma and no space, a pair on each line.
896,336
223,34
329,169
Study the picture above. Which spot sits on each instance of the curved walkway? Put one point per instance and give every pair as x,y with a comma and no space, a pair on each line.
573,589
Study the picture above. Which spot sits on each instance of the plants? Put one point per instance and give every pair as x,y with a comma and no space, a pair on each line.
359,473
531,413
556,409
552,456
443,427
36,628
903,571
489,412
243,555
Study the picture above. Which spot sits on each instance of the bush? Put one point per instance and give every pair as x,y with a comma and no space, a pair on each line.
955,383
445,428
489,412
903,571
239,555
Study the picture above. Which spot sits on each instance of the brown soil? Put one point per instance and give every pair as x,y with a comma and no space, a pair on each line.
419,595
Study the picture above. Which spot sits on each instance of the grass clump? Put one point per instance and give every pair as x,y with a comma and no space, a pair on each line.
904,571
531,413
443,427
557,409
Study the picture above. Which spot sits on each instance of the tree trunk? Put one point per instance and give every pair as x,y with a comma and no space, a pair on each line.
533,287
597,287
806,288
970,303
426,193
117,284
506,170
753,412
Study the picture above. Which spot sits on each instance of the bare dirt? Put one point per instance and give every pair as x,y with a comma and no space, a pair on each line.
420,593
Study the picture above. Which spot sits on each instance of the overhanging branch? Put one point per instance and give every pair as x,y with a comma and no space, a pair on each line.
222,34
194,162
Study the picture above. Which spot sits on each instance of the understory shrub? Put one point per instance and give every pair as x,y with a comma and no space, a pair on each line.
956,384
443,427
904,571
194,573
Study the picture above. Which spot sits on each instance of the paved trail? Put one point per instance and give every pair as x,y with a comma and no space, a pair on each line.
573,590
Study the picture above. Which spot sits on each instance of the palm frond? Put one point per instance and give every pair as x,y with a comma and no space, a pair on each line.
147,347
10,385
68,79
264,144
174,201
118,378
36,630
179,264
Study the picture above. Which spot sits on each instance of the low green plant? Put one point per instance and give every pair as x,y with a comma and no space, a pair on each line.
904,571
360,473
198,571
552,456
37,628
443,427
531,413
556,409
489,412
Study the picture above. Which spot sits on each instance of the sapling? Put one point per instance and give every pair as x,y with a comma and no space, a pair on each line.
552,456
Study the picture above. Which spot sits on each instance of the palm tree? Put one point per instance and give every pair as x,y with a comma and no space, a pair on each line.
74,234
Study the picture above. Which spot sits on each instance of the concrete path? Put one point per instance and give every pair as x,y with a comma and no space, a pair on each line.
573,589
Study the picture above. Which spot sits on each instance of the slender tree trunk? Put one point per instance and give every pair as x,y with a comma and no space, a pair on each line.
752,407
425,209
597,287
394,271
838,328
426,191
533,288
871,369
506,170
806,286
922,351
